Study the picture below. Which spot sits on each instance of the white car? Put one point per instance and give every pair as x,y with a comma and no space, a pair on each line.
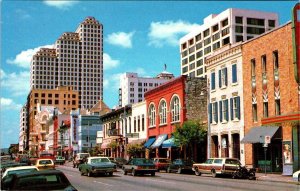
18,170
296,176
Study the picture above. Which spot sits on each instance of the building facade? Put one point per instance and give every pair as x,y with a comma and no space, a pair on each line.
271,90
23,129
226,112
64,99
169,105
76,60
133,87
228,27
137,131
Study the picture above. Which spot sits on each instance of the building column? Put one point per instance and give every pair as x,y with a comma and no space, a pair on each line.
230,145
219,145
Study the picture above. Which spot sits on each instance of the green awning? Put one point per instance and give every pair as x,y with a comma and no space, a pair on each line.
160,139
168,143
257,134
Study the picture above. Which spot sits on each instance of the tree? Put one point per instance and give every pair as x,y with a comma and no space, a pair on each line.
190,133
135,149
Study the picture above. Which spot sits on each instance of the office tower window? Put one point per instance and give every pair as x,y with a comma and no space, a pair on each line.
239,20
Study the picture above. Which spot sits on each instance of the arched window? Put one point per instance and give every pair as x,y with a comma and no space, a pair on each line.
152,115
175,109
163,112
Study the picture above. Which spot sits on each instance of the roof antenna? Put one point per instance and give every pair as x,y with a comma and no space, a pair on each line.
165,67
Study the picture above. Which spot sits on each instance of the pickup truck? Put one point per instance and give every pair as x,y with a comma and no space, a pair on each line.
217,166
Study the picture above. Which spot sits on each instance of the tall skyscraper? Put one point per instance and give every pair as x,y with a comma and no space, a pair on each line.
75,60
228,27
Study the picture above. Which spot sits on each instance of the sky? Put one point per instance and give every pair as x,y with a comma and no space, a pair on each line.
139,36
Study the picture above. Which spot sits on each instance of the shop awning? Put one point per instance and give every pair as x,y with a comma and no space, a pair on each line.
149,142
168,143
160,139
257,134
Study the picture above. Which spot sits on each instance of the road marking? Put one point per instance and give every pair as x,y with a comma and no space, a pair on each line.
103,183
148,179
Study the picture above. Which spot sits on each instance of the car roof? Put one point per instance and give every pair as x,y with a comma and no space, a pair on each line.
42,172
21,168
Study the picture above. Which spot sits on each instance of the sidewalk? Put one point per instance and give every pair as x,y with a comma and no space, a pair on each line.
274,178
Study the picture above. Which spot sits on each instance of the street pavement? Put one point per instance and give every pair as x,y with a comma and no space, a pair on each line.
176,182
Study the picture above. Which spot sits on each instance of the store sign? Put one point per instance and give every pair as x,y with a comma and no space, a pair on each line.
267,139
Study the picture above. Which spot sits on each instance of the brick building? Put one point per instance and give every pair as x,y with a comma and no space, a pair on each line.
173,103
270,89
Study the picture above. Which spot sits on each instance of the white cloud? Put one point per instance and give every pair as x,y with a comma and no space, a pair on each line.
109,63
2,74
112,81
140,71
60,4
9,104
121,39
169,32
16,84
23,59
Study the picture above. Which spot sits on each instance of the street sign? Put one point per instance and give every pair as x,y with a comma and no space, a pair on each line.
267,139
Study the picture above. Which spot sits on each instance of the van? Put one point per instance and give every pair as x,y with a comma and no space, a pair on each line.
79,159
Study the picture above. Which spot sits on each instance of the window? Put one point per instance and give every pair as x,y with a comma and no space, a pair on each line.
254,30
271,23
139,124
225,31
198,37
152,115
277,107
234,73
223,77
238,38
213,81
213,112
163,113
216,36
215,28
224,22
239,29
49,101
191,41
183,46
185,69
226,41
239,20
175,109
235,108
143,122
192,58
134,124
207,41
206,33
254,112
253,21
216,45
224,115
264,64
199,62
192,66
266,108
42,101
199,54
43,95
207,50
275,60
253,67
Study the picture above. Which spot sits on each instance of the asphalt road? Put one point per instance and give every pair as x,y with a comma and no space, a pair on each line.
169,182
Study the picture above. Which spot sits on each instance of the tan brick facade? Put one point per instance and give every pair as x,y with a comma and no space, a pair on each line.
279,40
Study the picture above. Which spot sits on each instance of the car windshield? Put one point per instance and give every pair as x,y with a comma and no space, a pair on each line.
99,160
232,161
20,171
143,161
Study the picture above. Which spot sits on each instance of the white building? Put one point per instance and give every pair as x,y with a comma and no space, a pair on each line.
137,128
75,60
23,128
133,87
228,27
226,112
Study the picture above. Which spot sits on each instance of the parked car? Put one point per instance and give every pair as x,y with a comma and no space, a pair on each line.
7,175
79,159
45,164
217,166
60,160
180,166
296,176
161,163
120,161
97,165
9,164
40,180
139,166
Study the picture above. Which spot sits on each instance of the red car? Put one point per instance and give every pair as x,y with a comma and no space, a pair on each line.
161,163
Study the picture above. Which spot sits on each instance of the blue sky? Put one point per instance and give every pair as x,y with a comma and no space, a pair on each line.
138,37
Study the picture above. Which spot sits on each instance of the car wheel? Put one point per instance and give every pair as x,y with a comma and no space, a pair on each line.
152,173
213,173
81,173
179,171
197,172
89,174
134,172
110,174
168,170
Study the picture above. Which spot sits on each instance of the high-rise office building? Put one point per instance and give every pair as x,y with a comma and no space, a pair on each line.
75,60
133,87
228,27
